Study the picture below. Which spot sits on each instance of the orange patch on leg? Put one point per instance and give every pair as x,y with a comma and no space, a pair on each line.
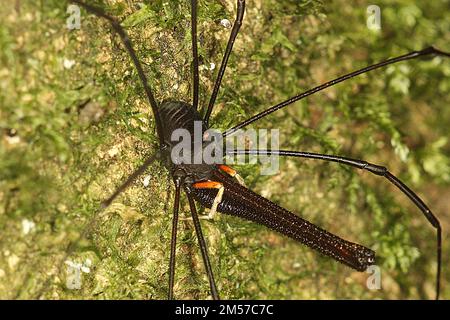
217,199
228,170
207,185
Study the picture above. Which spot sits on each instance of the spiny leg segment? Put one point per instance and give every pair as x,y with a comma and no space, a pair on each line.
211,185
377,170
400,185
219,186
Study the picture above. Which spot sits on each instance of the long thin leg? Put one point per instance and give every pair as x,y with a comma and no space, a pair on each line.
234,32
173,241
409,56
129,180
87,227
375,169
194,51
202,243
166,203
90,223
129,47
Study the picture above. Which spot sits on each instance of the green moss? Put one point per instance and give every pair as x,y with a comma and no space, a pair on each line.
80,131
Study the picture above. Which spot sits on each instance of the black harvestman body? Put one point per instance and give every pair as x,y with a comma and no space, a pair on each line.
220,188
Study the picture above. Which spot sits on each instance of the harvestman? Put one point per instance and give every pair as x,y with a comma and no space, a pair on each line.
218,186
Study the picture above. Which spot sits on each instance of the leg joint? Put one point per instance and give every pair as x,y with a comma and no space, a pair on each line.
378,170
